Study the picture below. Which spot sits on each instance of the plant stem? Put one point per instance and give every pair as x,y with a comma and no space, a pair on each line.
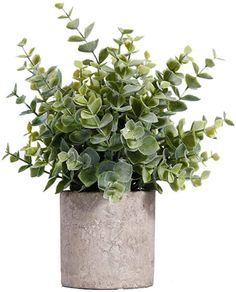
80,33
41,75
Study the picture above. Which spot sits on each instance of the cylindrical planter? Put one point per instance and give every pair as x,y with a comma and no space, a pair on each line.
105,245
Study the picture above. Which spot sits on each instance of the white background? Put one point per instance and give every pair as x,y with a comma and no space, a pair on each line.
195,229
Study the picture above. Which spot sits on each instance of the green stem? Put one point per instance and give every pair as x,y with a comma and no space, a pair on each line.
120,45
80,33
196,76
41,75
25,161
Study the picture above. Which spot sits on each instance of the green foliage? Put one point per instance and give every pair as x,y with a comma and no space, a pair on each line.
110,129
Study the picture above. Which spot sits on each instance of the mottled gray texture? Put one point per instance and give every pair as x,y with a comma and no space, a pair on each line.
104,245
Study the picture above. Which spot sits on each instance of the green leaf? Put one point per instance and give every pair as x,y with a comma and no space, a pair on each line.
62,17
113,195
5,156
136,157
198,125
149,118
75,38
192,82
173,65
189,140
98,139
31,151
59,5
62,185
67,120
36,172
176,106
134,144
180,127
36,60
107,119
176,168
187,50
123,108
88,176
95,105
180,151
22,43
123,170
39,120
88,47
227,121
205,76
214,53
137,106
63,156
92,123
143,70
205,174
149,145
85,160
170,177
125,31
171,77
80,100
20,99
88,30
190,97
106,165
129,89
204,156
92,154
73,24
195,67
15,157
86,114
33,105
210,132
23,167
218,122
80,136
50,183
147,55
209,63
165,84
215,156
146,175
103,54
162,171
196,181
72,162
39,164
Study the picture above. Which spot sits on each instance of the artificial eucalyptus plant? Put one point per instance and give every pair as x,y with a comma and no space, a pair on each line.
110,129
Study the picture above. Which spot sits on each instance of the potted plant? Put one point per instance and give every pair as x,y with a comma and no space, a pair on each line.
110,139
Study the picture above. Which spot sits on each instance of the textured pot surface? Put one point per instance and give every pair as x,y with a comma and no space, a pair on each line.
105,245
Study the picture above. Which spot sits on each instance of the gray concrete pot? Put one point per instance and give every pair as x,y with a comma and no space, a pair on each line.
104,245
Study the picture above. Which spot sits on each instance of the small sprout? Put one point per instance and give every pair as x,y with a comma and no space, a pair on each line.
59,5
228,121
215,156
187,50
22,43
147,55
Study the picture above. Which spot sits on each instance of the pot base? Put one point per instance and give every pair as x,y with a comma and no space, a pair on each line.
105,288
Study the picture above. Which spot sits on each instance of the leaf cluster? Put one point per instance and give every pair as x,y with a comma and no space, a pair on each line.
111,128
